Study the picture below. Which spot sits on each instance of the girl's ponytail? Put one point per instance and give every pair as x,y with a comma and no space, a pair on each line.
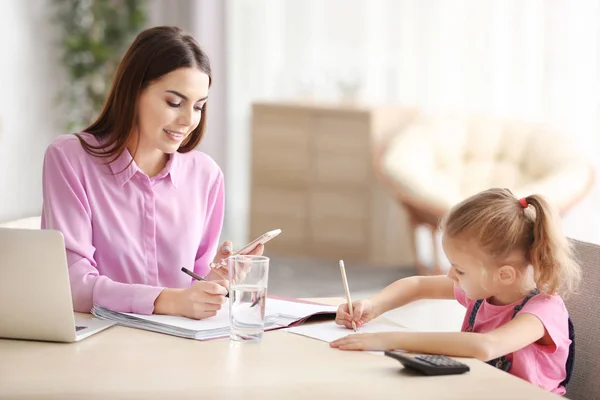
555,269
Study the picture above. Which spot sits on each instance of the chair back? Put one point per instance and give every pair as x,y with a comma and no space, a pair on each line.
583,309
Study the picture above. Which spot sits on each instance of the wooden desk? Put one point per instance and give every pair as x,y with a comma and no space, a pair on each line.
124,363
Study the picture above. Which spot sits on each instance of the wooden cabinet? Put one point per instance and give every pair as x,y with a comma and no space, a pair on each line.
312,176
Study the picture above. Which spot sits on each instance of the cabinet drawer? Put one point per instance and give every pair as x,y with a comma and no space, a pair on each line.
281,150
284,131
271,166
341,135
338,220
345,169
279,201
346,204
338,251
339,231
342,153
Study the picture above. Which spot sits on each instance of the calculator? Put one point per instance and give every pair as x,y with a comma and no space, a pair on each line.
429,364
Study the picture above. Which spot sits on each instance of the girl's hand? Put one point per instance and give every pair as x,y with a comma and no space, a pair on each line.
363,311
367,341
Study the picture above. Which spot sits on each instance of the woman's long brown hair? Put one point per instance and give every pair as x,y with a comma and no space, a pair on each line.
154,53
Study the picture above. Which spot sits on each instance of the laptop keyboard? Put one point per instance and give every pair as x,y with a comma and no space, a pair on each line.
78,328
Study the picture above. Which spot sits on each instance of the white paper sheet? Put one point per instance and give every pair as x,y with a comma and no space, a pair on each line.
330,331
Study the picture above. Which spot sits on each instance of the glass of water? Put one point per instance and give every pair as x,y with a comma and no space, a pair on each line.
248,278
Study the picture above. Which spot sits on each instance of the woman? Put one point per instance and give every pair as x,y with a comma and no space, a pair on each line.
134,202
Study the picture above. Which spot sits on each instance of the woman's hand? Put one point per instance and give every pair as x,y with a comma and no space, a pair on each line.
363,311
219,268
199,301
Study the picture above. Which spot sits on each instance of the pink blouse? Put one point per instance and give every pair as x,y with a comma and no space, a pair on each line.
127,235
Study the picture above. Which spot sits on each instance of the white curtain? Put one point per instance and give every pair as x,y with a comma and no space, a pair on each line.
206,21
528,59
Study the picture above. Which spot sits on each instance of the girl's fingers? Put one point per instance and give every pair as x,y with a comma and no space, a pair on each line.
342,341
358,311
341,315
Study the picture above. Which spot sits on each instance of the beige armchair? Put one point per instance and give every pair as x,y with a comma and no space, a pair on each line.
436,161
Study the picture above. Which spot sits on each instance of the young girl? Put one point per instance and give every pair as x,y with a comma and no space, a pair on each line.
133,200
510,265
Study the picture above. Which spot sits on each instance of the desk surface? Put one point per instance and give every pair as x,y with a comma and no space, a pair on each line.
128,363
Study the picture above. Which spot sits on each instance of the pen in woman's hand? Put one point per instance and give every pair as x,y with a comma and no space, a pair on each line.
196,276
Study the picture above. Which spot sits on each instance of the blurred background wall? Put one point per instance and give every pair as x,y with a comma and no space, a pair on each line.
30,77
533,60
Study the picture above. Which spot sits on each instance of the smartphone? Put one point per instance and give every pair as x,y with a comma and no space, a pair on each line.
259,240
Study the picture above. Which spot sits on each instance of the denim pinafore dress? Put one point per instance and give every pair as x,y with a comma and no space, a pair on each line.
503,362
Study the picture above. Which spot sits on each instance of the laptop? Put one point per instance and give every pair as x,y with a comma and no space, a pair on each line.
35,294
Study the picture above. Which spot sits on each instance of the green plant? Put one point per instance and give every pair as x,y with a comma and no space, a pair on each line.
94,36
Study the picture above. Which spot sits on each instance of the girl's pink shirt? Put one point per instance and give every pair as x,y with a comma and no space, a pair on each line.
544,366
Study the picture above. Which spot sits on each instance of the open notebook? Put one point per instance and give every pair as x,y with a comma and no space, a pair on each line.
329,331
279,313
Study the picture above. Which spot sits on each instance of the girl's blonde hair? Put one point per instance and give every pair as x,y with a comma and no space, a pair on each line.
503,224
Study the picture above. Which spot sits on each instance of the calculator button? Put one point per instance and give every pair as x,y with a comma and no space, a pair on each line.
439,361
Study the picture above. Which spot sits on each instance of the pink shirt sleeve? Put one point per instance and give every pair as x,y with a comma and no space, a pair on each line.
552,312
214,223
66,209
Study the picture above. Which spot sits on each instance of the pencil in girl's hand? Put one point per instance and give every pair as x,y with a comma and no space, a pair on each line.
345,280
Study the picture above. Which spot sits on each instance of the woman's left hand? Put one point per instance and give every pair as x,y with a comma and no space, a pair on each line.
367,341
220,271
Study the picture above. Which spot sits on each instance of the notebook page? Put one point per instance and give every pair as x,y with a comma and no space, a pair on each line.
221,320
330,331
294,309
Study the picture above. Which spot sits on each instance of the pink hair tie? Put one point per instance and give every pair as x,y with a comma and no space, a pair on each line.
523,202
